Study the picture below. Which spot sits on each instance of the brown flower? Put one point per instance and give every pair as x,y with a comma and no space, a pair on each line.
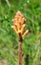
19,24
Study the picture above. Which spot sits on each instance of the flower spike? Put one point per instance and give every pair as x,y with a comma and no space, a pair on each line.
19,24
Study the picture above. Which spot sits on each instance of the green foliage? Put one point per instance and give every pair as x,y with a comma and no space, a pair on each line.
8,38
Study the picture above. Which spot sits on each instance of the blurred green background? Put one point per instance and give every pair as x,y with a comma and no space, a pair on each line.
31,9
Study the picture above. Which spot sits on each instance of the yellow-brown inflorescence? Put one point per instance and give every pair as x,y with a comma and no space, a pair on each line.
19,24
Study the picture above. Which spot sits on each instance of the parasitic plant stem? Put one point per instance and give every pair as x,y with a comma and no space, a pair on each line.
20,49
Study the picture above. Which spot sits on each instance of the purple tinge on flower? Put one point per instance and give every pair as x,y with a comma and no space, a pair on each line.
19,18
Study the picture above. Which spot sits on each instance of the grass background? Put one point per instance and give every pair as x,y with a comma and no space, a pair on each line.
31,9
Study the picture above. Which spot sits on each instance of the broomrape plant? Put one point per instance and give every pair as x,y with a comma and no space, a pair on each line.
19,28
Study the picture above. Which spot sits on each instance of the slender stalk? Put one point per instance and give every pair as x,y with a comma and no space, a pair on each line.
20,50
